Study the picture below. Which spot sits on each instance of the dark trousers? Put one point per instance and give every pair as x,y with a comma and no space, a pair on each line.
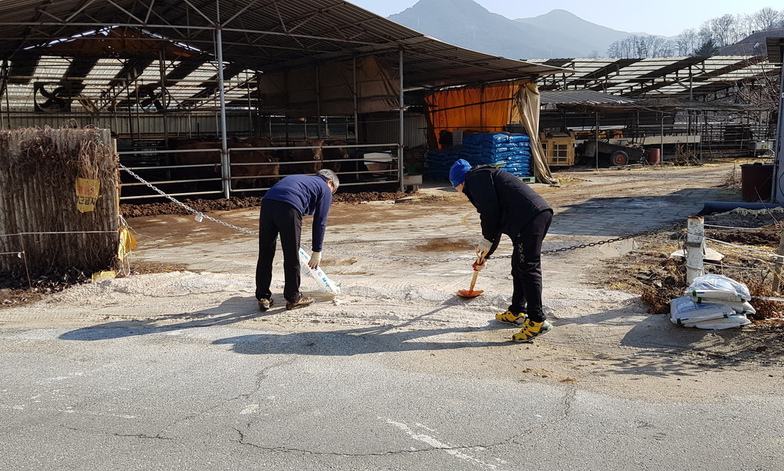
527,267
279,218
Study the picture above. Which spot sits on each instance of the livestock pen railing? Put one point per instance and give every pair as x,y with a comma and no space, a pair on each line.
200,172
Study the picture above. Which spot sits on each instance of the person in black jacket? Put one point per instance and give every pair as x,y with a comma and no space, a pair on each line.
508,206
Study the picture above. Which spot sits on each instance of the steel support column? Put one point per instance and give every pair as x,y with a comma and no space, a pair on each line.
225,162
356,104
318,102
402,142
596,150
164,94
661,140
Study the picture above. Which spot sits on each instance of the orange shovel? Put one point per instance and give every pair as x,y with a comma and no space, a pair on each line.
470,293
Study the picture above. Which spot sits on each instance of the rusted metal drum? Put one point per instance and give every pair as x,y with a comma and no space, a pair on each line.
654,156
756,182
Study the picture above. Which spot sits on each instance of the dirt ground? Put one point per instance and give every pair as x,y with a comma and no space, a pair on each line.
400,262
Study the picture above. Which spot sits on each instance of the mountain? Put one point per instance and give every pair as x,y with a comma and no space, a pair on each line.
594,39
467,23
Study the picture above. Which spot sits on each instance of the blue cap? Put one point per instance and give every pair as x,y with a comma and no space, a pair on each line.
458,172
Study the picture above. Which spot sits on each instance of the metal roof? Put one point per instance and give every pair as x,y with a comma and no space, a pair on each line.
657,77
582,97
257,35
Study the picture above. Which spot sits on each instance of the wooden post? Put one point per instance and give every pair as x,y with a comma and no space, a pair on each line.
695,248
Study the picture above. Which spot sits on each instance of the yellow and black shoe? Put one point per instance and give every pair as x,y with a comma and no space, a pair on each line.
511,318
531,330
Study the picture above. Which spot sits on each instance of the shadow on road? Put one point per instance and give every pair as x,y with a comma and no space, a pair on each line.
376,339
353,342
231,311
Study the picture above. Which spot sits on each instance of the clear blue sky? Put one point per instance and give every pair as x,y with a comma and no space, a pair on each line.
664,17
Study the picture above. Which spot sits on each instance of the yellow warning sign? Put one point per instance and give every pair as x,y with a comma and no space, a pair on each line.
87,192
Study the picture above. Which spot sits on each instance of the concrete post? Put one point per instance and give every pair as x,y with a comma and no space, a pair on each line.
695,248
778,189
779,263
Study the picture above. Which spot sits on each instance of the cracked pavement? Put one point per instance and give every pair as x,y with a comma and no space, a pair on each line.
185,401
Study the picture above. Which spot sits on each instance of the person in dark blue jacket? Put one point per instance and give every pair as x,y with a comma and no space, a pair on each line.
508,206
282,209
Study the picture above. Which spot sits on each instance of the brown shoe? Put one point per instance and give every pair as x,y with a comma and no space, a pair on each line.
303,301
265,305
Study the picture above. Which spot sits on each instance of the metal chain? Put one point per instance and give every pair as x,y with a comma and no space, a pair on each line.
608,241
200,216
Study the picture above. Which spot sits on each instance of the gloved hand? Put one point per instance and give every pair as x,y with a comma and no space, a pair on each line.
483,248
315,260
479,265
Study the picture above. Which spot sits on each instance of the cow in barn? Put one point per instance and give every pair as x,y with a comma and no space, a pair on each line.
311,160
209,162
253,176
332,155
265,175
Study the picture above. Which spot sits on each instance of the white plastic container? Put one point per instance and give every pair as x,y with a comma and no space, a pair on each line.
318,274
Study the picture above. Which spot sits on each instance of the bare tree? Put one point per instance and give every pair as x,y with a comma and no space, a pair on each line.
642,47
766,19
711,36
723,30
687,42
764,92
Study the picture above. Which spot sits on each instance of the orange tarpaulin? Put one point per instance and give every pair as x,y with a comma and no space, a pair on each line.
486,108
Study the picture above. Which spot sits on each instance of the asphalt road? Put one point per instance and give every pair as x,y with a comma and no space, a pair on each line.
220,398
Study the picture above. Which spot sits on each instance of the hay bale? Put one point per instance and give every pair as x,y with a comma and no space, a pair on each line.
39,169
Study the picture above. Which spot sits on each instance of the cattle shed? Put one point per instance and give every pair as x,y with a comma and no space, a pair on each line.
222,97
677,128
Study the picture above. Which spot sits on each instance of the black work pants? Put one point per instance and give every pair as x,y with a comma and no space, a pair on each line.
279,218
527,267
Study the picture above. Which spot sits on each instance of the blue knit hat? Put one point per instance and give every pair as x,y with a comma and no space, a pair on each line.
457,173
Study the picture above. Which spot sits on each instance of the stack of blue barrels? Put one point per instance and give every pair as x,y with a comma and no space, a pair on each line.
510,152
438,163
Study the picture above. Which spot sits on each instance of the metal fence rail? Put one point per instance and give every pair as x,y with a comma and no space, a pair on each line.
202,179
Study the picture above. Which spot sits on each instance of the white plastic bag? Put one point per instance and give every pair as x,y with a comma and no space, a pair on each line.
743,308
718,288
731,322
685,312
318,274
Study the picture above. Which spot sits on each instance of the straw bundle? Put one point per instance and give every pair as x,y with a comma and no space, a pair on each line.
39,169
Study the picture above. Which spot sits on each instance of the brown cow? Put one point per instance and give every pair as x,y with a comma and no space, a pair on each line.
266,174
317,155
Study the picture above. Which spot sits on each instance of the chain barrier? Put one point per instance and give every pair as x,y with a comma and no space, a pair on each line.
613,240
200,216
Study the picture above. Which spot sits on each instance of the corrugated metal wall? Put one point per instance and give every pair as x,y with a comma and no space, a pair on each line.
378,129
182,124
